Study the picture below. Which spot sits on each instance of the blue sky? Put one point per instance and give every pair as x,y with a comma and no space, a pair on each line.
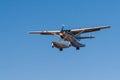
30,57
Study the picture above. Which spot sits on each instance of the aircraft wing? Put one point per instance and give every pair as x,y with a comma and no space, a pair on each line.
86,30
45,32
73,31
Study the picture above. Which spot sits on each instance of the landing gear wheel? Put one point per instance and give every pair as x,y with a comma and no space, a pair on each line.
61,49
77,48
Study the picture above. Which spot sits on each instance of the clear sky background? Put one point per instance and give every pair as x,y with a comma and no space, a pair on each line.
30,57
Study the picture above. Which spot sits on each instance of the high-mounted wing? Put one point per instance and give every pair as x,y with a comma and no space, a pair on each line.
74,31
45,32
85,30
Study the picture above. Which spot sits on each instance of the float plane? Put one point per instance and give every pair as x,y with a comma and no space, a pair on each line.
72,36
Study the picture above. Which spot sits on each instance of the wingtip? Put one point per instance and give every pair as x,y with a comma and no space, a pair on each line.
108,26
29,32
103,27
32,33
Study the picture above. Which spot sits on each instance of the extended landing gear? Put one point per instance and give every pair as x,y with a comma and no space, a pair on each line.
61,49
52,46
77,48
